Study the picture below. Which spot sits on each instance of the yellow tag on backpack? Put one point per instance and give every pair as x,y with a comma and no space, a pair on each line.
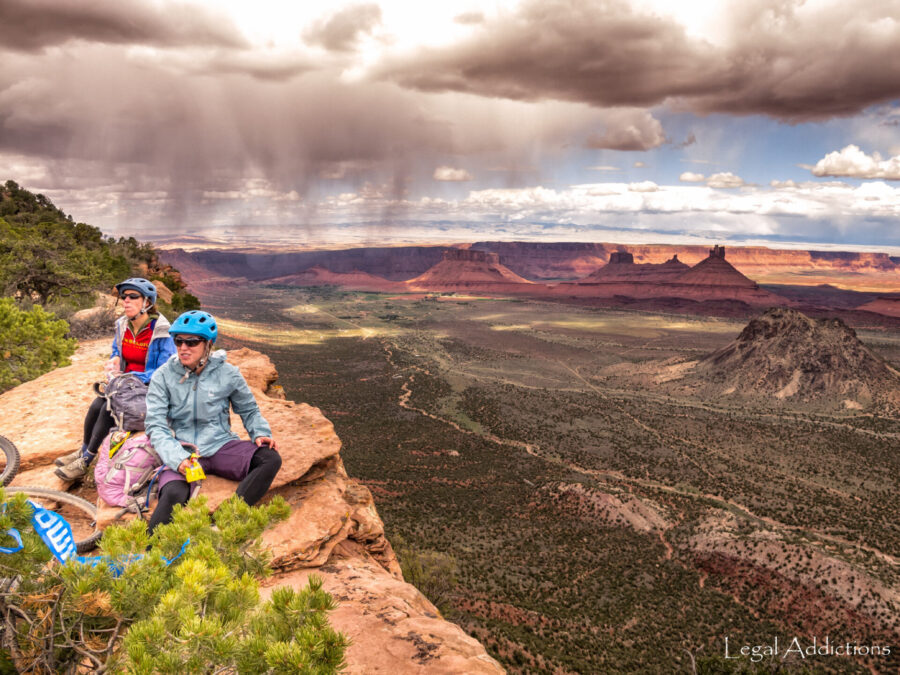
194,471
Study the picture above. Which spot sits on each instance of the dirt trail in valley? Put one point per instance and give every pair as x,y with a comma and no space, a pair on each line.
619,477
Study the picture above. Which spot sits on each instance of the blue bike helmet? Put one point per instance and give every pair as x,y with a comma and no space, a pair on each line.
142,286
196,323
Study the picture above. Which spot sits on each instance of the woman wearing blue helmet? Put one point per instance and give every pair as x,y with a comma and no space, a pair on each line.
189,401
141,344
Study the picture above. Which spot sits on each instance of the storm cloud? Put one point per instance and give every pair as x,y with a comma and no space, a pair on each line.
341,31
32,25
131,114
777,58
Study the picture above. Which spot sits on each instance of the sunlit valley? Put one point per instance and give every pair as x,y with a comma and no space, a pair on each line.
615,501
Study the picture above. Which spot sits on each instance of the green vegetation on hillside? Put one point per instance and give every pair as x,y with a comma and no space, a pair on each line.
201,614
49,261
47,258
31,342
516,440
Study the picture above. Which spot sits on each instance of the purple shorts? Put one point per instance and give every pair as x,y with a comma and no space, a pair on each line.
231,461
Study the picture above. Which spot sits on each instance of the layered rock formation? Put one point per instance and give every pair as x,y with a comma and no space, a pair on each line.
541,261
622,268
374,268
784,354
538,261
334,529
713,278
468,270
392,263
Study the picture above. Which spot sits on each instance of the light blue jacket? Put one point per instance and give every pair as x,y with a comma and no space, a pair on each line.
161,346
196,408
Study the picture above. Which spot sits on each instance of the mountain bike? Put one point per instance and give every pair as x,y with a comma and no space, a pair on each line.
10,460
80,513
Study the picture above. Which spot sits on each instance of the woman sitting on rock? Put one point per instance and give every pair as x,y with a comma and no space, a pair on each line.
141,344
189,400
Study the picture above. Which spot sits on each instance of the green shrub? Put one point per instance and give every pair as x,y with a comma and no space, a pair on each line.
31,343
200,614
435,574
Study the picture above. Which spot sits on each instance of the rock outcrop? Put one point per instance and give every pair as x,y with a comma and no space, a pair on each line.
473,271
573,260
784,354
713,278
622,268
334,529
542,261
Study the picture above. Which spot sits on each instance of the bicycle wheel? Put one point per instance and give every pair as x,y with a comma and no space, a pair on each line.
12,460
80,513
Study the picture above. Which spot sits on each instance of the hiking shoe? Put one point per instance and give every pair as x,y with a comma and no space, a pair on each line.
74,470
67,459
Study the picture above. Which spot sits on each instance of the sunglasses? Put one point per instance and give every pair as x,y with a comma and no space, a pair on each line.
190,342
131,296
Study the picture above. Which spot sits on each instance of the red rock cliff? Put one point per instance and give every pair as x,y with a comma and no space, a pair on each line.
334,529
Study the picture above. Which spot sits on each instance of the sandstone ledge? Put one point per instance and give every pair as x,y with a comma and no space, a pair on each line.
334,529
393,627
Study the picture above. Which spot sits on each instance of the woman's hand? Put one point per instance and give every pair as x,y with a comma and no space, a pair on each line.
183,467
265,440
112,366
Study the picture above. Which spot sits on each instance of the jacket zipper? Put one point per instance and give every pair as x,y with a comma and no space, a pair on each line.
195,409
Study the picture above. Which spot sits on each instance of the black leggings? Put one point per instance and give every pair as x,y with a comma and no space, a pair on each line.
97,424
264,465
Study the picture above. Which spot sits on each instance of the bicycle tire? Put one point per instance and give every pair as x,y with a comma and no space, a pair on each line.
12,460
81,545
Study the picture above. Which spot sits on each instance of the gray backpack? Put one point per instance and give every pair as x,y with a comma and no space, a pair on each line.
126,401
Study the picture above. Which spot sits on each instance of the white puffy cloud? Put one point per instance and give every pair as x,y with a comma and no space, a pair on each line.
852,162
643,186
448,173
725,180
812,211
691,177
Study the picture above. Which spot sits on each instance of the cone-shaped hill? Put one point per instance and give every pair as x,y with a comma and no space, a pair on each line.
716,271
471,271
716,278
784,355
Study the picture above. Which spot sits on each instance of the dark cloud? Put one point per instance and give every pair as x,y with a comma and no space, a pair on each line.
628,130
161,129
31,25
120,130
601,53
774,59
342,30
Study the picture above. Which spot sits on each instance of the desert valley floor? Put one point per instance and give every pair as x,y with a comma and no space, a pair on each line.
607,512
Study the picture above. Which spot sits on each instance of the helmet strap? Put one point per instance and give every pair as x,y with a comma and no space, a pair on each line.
203,359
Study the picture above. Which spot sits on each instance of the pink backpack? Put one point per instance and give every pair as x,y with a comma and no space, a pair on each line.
123,476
